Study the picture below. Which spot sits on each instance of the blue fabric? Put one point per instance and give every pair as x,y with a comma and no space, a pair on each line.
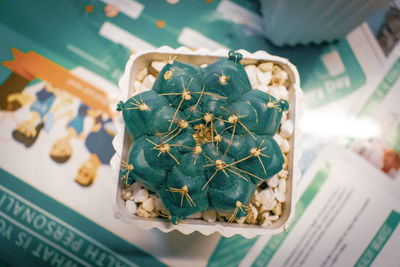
100,143
77,121
49,122
43,103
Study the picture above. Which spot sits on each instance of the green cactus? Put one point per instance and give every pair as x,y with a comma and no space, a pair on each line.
202,138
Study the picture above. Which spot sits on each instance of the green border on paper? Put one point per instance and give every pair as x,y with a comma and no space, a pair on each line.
379,240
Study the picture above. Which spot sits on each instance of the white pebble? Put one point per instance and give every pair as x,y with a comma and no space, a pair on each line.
265,195
279,92
141,74
284,145
136,186
283,75
209,215
263,88
267,199
265,221
273,181
274,217
278,139
131,206
284,117
276,69
284,94
286,129
203,66
158,205
141,212
268,220
148,204
141,195
274,91
278,77
266,66
158,65
154,214
281,197
251,68
280,191
136,86
196,215
277,210
251,71
255,200
148,83
264,78
269,206
252,214
283,174
127,193
240,220
282,186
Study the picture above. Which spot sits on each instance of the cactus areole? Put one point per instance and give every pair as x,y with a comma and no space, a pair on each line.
202,138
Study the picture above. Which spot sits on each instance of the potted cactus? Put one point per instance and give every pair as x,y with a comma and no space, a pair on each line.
202,138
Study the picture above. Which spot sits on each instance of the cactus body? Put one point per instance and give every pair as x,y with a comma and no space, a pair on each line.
202,138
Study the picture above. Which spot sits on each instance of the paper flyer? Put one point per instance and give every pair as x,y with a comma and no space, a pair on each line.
334,119
55,195
372,60
381,107
35,230
55,172
329,72
56,132
344,217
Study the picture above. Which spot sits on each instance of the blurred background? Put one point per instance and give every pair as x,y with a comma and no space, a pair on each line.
348,57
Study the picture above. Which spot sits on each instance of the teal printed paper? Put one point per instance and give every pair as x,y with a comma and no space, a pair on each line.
37,230
59,27
327,72
156,23
230,251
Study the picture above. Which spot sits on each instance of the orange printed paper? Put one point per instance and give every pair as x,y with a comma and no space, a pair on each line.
32,65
